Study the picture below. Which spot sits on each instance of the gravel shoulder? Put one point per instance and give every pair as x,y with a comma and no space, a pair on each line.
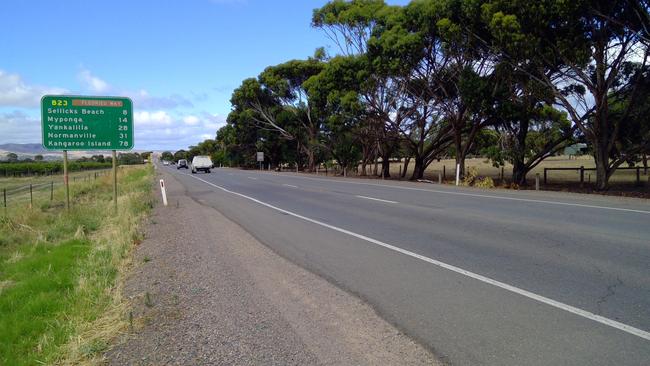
205,292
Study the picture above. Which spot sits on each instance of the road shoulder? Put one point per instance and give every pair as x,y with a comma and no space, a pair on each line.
207,292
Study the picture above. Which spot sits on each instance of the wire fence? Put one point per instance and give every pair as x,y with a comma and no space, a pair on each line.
29,195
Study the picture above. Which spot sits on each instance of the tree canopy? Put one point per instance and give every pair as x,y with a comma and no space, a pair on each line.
513,80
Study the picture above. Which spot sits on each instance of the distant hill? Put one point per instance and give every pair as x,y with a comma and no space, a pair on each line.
24,148
25,151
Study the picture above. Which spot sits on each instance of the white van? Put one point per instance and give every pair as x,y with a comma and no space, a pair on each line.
201,162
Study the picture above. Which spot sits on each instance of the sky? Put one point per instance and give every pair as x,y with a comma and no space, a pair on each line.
178,60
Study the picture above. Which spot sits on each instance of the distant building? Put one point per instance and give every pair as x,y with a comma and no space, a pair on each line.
575,149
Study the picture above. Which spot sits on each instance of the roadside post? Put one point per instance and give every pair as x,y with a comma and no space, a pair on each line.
439,178
457,174
4,194
114,180
71,122
163,192
537,181
260,158
65,180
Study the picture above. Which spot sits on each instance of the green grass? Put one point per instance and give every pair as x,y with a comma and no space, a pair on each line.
59,272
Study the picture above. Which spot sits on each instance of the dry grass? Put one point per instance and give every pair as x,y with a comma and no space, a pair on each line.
486,169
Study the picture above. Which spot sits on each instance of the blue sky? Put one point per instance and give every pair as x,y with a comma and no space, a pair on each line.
178,60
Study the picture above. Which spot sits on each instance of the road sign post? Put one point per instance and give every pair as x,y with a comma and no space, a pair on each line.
70,122
113,153
65,180
260,158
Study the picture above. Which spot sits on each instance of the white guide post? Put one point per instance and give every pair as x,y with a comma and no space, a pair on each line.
163,192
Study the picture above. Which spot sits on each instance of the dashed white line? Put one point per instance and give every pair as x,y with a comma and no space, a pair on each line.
376,199
252,178
556,304
475,195
290,185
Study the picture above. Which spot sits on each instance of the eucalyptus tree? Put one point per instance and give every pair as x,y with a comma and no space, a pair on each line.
410,50
353,25
277,101
581,49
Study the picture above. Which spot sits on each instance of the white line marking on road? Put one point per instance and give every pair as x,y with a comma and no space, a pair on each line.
474,195
290,185
251,178
376,199
559,305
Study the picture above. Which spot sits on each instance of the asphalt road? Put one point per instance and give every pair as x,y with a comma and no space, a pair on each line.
479,277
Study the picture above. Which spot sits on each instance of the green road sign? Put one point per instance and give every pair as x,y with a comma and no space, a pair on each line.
86,123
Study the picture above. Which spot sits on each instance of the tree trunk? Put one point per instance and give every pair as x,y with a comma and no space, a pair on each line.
418,169
385,168
375,170
645,164
519,171
602,162
406,166
519,168
310,160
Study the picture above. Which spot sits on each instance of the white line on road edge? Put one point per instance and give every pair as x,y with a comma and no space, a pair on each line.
473,194
376,199
289,185
583,313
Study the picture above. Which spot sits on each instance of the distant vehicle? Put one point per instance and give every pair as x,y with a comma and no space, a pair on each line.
201,162
165,162
182,163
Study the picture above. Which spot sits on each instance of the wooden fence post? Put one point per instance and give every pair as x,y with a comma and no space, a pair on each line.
582,175
545,169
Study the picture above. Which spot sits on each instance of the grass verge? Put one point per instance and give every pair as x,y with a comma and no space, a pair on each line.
60,300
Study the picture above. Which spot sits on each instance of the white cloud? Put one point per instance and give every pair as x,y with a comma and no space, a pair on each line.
191,120
143,100
213,121
158,118
20,128
154,130
92,82
14,92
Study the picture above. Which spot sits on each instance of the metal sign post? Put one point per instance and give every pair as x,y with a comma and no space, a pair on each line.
114,181
70,122
65,180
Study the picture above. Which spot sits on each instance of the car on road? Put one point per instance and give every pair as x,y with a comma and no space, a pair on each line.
201,162
182,163
165,162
